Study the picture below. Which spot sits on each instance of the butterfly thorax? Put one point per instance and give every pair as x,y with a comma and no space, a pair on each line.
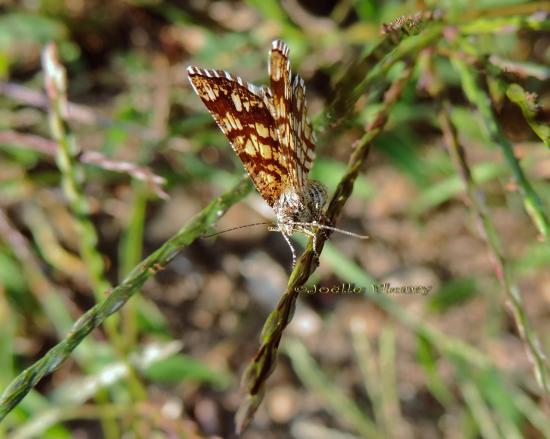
305,207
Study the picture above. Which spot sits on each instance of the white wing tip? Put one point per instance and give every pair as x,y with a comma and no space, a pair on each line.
281,46
211,73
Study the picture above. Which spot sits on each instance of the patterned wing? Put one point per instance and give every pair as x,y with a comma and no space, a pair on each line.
240,110
304,138
290,113
281,108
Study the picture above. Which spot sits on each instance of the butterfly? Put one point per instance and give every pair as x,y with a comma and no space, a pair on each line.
269,129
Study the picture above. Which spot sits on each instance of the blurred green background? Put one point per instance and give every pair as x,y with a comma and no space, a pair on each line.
454,363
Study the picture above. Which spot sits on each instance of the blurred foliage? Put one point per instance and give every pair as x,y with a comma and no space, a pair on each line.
100,171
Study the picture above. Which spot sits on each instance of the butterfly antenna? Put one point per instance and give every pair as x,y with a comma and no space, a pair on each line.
237,228
334,229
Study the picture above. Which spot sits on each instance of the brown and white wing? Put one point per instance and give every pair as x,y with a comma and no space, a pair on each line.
240,110
302,130
281,108
289,110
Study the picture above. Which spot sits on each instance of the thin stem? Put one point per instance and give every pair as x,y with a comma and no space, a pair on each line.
263,364
72,174
119,295
479,98
531,110
93,158
502,267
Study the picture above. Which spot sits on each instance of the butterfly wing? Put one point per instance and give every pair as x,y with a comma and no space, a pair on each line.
301,128
281,107
290,114
240,110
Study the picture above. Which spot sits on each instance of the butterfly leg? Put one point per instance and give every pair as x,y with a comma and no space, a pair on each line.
315,246
287,239
313,235
324,220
